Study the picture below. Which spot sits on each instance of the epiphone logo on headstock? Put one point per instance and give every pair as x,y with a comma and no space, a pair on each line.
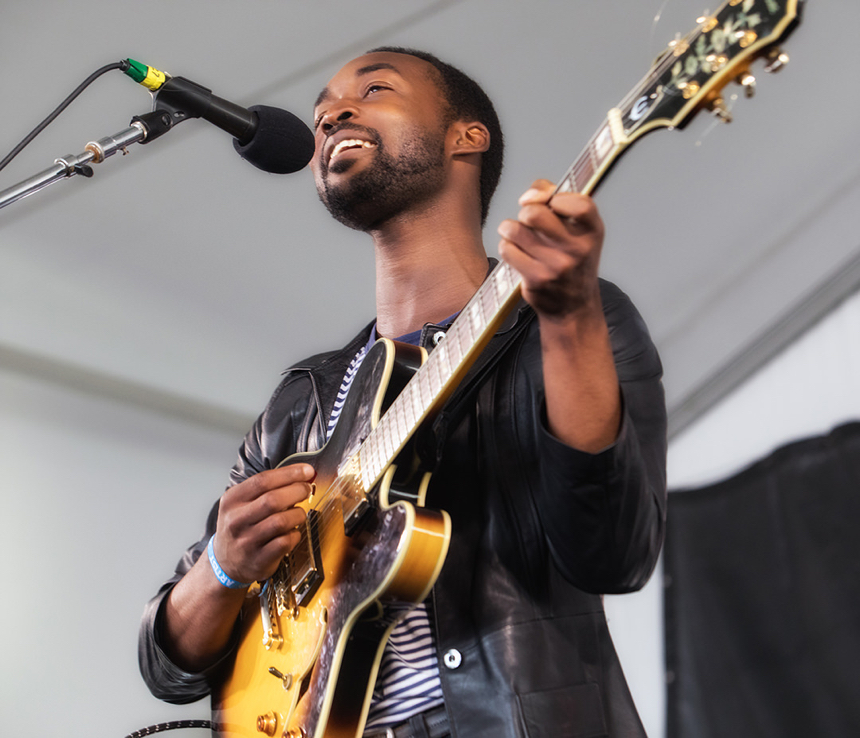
640,107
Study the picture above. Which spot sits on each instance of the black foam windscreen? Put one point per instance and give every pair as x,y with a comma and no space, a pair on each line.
281,144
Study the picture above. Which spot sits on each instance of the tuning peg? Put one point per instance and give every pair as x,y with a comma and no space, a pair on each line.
747,81
719,108
776,60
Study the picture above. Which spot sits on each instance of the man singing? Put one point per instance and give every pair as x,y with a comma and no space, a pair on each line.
551,462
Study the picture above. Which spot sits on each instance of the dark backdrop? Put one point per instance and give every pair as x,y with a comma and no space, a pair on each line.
763,597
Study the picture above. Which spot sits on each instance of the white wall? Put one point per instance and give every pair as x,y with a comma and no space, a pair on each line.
98,501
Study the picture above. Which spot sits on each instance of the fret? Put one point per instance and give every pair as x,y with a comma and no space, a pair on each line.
374,464
393,439
406,414
414,392
363,463
488,302
441,354
468,334
405,403
379,442
432,379
603,145
387,444
378,460
486,312
465,339
567,185
476,319
377,439
441,374
399,421
383,452
426,394
401,430
587,164
500,280
452,346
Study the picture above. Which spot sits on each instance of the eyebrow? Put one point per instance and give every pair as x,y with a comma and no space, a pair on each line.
369,69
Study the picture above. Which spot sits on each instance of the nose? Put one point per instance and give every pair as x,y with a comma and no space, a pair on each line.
337,114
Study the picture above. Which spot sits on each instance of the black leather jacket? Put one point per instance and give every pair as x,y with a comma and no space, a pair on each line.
539,531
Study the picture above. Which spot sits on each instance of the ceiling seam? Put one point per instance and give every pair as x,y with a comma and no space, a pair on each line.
817,305
807,220
357,47
119,389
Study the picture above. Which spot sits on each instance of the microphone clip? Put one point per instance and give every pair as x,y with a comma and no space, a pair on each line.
182,99
155,124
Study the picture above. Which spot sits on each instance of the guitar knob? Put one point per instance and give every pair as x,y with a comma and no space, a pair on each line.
747,81
295,733
719,108
776,60
267,723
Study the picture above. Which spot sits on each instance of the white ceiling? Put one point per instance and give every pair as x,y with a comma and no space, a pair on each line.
181,277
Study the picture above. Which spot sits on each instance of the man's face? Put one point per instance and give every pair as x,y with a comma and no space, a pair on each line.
380,129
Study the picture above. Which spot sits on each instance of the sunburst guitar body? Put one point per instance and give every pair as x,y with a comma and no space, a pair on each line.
312,635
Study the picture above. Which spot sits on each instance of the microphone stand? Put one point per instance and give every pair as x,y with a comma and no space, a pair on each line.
143,129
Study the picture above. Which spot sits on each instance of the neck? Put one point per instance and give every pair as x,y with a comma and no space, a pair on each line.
428,265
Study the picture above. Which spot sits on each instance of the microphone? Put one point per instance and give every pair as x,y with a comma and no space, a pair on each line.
271,139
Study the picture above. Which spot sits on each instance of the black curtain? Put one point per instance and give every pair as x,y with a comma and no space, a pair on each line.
762,576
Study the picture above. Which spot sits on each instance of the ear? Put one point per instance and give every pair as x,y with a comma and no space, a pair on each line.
468,137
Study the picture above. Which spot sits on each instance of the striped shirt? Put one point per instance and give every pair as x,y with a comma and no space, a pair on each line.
408,679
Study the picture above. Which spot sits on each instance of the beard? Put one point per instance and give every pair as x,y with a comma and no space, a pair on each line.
389,184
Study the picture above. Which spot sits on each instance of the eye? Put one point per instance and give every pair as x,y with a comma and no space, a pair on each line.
376,87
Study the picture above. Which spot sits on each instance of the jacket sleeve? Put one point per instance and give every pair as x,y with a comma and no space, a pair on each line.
164,678
604,514
265,445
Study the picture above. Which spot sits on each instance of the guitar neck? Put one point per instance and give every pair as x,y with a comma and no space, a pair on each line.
439,376
595,159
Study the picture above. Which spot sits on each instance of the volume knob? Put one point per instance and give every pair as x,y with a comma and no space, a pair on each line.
267,723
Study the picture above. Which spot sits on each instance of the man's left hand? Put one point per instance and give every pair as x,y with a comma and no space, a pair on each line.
555,246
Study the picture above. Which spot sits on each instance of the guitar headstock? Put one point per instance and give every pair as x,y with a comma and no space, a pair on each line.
692,72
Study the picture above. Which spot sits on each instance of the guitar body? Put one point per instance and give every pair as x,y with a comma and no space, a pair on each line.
310,644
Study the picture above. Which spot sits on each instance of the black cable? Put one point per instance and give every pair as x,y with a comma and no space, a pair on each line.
122,65
175,725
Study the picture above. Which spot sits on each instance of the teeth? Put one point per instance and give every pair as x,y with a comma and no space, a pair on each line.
350,143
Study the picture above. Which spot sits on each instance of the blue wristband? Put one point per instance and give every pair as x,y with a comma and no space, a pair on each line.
219,572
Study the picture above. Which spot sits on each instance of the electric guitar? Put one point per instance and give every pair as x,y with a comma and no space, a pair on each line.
312,635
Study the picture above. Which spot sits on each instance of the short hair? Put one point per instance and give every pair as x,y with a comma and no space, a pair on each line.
467,101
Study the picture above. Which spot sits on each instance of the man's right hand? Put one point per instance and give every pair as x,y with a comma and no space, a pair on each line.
258,521
256,527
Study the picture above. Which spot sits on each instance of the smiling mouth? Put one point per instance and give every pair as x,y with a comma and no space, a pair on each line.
349,144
